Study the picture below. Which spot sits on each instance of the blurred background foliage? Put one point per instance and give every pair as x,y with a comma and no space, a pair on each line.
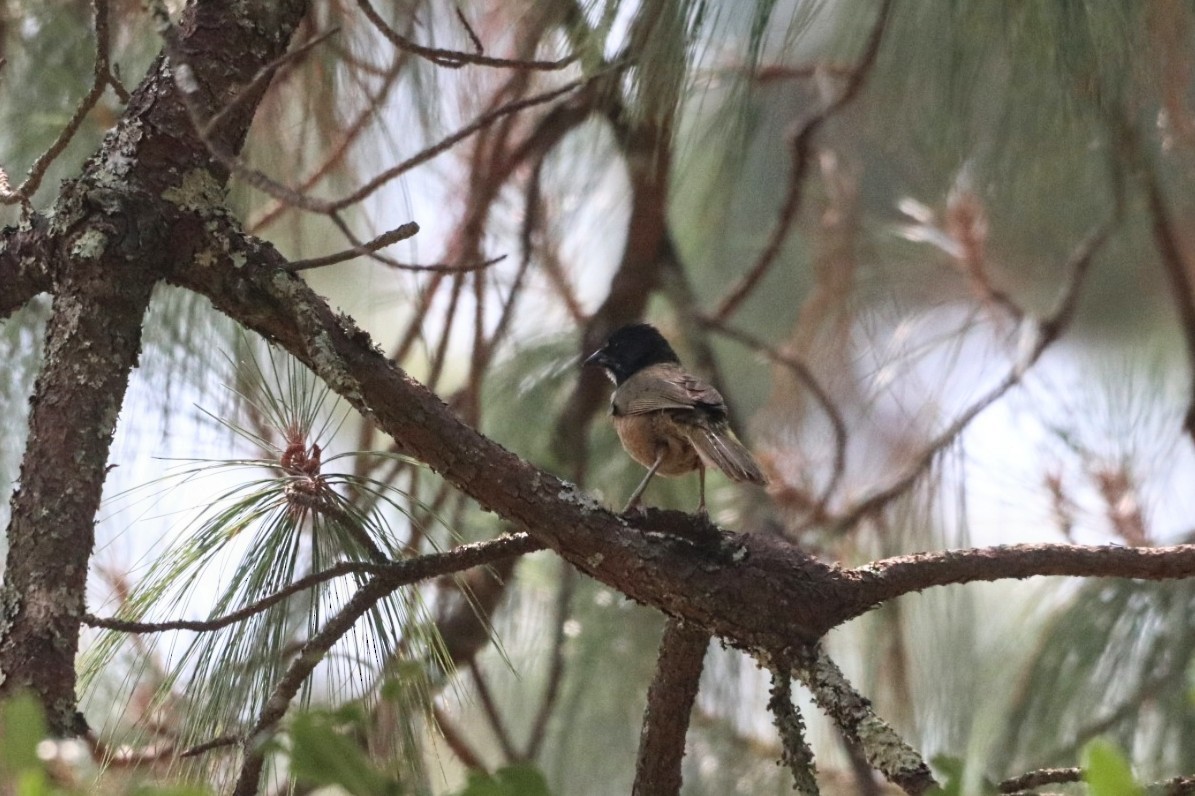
939,205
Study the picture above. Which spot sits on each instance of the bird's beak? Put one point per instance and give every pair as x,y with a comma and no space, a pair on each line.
596,358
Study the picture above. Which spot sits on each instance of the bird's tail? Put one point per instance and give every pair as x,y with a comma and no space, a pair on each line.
719,448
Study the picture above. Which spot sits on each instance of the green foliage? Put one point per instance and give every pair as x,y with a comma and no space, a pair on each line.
1114,662
1107,771
25,752
22,727
281,516
519,780
951,774
323,752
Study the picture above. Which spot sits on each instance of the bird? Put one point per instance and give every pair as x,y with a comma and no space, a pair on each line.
667,419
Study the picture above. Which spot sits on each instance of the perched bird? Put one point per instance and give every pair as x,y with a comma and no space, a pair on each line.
668,420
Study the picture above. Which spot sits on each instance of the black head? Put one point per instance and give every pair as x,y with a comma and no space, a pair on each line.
631,349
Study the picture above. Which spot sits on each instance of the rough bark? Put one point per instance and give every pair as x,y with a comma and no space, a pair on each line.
669,702
113,231
675,562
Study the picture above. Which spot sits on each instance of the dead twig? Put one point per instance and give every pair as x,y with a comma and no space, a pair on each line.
101,78
564,601
370,248
455,59
806,377
1036,337
800,148
1176,268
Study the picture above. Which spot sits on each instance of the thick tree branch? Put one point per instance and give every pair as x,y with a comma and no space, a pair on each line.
107,245
672,561
883,580
24,264
669,703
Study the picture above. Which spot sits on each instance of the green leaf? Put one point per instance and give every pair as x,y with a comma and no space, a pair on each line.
24,727
33,782
950,772
519,780
323,755
1107,771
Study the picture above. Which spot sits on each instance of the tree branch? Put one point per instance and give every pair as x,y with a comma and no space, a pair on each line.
675,562
454,59
1178,273
852,712
883,580
1036,338
25,264
801,147
405,572
669,703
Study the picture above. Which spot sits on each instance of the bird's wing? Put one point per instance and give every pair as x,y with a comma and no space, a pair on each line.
667,387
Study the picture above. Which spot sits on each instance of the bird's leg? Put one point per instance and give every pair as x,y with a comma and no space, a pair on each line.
701,487
643,484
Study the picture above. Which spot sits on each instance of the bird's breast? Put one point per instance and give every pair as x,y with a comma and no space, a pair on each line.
646,436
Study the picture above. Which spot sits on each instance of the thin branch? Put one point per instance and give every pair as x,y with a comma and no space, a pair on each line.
492,713
132,758
1036,338
347,137
459,746
207,746
564,600
472,34
454,59
886,579
103,57
478,124
801,146
806,377
101,79
310,655
1178,272
796,753
669,702
400,572
852,712
483,348
1043,776
403,232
